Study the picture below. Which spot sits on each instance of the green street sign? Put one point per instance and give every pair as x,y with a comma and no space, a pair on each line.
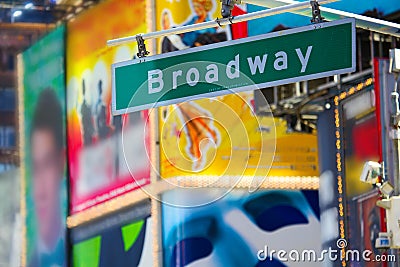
277,58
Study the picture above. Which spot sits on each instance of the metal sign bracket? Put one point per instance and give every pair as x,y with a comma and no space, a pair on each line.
142,51
316,12
218,20
227,6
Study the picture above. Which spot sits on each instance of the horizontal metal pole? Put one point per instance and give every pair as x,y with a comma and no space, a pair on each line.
363,22
221,22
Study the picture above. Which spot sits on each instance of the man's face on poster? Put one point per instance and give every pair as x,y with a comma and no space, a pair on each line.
48,168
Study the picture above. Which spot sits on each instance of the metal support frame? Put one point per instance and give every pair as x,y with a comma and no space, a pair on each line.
395,134
395,122
227,6
395,118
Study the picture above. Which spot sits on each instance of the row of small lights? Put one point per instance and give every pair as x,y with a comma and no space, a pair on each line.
337,99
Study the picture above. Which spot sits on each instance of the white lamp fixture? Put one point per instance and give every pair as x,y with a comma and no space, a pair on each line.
28,5
17,13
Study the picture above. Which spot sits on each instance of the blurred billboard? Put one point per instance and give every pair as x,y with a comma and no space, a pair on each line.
360,139
123,239
223,136
43,158
103,164
232,230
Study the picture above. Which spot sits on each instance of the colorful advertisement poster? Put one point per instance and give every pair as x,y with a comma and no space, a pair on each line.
121,240
43,170
231,231
370,221
360,128
223,136
107,155
170,14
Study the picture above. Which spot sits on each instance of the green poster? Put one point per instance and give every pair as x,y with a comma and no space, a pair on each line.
42,100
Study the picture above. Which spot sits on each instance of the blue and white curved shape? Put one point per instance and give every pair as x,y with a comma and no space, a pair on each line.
231,231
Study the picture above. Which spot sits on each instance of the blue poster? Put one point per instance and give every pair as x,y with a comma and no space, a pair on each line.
232,230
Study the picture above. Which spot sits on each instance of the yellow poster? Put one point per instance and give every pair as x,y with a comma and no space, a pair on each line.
223,136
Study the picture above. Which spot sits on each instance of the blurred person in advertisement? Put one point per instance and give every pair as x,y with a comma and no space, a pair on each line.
48,164
201,9
87,120
101,115
172,42
208,38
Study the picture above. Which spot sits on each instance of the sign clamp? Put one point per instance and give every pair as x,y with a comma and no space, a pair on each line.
218,20
142,51
227,6
316,12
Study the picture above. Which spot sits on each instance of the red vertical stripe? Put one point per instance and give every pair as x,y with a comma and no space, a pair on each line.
239,30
